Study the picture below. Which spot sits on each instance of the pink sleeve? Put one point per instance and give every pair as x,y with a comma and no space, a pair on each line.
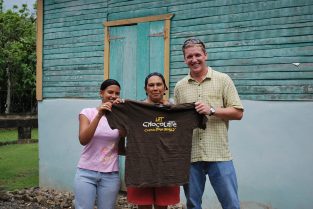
86,112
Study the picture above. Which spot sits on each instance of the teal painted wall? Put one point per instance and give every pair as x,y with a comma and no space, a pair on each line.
73,44
255,42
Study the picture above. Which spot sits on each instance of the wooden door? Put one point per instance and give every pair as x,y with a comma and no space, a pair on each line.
135,51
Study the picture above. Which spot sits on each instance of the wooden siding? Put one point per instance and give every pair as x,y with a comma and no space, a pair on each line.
257,43
73,48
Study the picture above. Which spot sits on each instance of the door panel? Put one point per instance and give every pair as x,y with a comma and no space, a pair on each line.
157,47
136,51
123,41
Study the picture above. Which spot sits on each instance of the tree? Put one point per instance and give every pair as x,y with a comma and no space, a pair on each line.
17,53
1,5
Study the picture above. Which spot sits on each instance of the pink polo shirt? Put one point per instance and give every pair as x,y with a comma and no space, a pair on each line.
100,154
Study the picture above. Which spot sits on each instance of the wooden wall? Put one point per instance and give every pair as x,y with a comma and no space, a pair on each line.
258,43
73,48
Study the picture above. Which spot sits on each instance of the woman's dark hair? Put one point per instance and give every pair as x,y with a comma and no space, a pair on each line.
155,74
109,82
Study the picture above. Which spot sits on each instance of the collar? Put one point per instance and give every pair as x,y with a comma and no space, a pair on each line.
207,76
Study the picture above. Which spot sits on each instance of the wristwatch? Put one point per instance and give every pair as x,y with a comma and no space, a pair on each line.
212,111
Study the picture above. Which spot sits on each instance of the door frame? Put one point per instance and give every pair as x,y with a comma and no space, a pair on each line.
167,24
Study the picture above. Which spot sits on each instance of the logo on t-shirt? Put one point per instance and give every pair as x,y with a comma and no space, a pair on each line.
160,124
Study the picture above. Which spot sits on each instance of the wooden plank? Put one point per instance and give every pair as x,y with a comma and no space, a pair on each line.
132,6
39,44
76,23
89,16
72,89
138,20
61,84
74,68
74,28
55,56
70,34
276,42
74,6
291,81
14,121
260,29
237,6
167,38
87,47
141,13
72,40
204,24
143,59
67,2
71,72
259,61
156,36
278,97
129,60
157,44
239,13
146,3
117,44
73,61
72,78
238,18
250,35
106,53
78,95
272,75
286,89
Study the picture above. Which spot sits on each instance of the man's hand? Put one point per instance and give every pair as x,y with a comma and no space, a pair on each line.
202,108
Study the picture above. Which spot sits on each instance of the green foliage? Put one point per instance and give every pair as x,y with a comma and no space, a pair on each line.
18,50
19,166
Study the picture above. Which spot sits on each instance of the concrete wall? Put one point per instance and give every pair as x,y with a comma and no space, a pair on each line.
272,147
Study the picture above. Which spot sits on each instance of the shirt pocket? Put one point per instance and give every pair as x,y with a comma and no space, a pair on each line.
214,99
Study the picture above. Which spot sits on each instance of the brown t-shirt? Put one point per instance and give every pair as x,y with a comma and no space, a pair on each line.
159,140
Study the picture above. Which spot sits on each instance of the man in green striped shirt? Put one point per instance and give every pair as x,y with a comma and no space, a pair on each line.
216,96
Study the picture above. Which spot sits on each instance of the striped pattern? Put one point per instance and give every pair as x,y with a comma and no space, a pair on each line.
255,42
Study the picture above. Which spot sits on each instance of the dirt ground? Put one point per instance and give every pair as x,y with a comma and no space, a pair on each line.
47,199
39,198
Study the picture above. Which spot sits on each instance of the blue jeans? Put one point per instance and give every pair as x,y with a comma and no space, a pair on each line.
91,184
223,179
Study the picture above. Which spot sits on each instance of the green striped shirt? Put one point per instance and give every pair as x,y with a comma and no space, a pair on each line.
217,90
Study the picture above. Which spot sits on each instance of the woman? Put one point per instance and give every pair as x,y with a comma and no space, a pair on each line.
97,174
159,197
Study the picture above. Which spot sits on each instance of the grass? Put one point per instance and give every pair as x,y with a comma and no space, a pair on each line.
10,135
19,166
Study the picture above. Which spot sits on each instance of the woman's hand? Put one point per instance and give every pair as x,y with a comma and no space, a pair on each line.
107,106
118,101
